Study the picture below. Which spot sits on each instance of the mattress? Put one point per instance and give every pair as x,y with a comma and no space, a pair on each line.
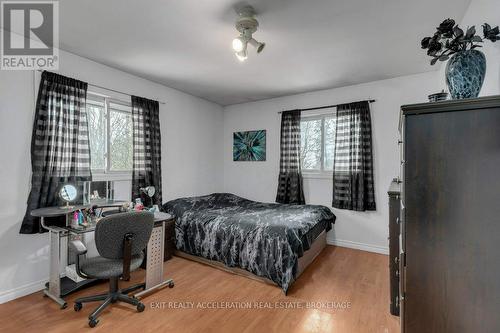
303,262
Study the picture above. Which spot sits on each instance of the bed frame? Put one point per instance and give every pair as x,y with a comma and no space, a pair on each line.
316,247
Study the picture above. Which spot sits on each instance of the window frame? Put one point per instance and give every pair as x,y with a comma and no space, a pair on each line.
107,174
321,173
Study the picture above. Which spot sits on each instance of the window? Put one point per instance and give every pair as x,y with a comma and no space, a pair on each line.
317,136
110,135
120,138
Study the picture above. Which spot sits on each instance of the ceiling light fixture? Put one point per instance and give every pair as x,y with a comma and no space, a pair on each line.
246,25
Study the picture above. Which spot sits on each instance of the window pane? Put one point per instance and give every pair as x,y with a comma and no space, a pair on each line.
329,142
120,140
97,135
310,144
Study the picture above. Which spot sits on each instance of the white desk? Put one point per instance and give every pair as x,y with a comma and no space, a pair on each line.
59,287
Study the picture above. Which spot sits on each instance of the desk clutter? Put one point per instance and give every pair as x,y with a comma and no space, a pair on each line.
89,216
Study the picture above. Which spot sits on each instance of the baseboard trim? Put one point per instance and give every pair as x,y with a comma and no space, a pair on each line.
358,246
21,291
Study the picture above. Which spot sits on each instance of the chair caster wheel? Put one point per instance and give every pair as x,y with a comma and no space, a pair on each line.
171,285
77,306
93,322
64,306
140,307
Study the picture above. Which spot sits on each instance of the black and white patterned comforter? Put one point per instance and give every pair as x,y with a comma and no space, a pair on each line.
263,238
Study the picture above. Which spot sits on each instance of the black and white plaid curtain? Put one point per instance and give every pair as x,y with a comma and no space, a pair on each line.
353,162
290,190
60,151
147,148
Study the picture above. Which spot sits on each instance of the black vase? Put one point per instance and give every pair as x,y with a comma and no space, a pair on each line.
465,73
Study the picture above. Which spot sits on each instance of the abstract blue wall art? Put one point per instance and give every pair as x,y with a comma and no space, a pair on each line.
249,146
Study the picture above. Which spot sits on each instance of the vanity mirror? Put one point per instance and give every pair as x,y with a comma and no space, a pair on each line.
68,194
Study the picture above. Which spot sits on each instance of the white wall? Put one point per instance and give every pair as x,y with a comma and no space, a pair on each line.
258,180
191,158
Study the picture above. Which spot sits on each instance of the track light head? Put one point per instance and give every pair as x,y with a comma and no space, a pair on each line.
258,45
240,48
239,44
242,55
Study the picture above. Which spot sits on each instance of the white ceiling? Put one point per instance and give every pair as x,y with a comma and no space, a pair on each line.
311,44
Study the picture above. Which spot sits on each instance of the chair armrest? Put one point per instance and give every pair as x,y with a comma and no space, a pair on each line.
127,256
79,248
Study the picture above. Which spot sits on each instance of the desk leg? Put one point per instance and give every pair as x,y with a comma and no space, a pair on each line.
154,264
54,288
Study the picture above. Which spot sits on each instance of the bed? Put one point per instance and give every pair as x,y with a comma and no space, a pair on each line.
272,242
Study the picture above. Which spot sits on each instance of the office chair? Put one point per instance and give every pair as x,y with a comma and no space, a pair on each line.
120,240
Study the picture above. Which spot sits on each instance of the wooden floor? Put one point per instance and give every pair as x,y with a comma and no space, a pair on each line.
349,288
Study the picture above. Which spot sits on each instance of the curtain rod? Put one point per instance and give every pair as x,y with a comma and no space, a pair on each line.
324,107
108,89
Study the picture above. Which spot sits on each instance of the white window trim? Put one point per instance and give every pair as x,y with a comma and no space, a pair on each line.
107,174
112,176
326,174
321,173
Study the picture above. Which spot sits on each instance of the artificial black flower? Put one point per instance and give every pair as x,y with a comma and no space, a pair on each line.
450,39
446,28
491,34
425,42
434,47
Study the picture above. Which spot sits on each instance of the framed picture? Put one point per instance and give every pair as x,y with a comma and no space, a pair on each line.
249,146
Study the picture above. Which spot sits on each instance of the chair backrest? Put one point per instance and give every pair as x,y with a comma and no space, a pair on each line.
110,232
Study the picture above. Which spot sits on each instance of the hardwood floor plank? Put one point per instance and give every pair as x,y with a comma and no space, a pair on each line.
338,276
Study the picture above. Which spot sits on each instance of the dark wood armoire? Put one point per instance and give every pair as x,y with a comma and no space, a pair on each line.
450,216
